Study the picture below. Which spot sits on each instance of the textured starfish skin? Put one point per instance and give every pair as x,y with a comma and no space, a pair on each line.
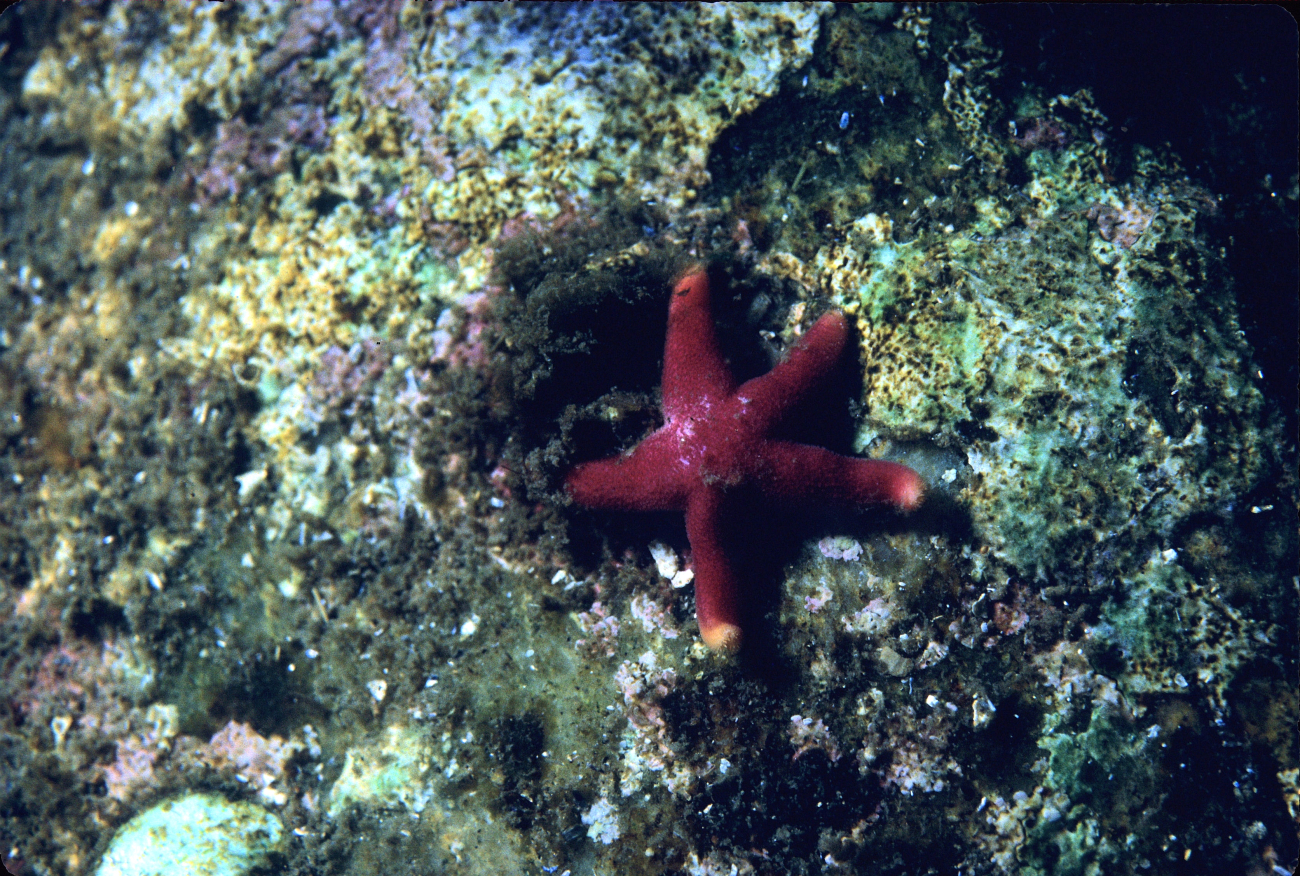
715,438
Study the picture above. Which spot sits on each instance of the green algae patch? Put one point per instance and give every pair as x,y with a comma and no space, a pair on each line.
893,269
1054,351
195,835
390,773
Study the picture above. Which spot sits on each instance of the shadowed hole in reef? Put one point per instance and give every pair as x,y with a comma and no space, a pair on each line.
789,809
94,619
783,803
266,695
1216,780
261,692
1003,752
520,740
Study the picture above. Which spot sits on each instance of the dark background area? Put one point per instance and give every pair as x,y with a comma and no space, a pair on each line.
1218,84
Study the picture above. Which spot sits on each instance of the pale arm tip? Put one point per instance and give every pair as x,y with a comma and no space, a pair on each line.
722,636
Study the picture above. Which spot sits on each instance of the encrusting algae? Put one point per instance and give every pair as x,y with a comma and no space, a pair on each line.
313,308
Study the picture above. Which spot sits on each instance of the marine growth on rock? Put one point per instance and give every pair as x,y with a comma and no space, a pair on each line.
338,339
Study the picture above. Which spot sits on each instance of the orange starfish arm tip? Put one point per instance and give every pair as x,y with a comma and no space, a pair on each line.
910,492
722,636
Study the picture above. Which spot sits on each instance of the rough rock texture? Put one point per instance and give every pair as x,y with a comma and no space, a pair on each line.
307,308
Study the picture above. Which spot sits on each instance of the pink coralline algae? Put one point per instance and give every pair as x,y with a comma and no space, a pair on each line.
654,617
917,748
343,377
807,735
1041,133
461,334
84,684
388,82
648,747
252,757
1122,227
644,685
245,156
819,600
840,549
237,749
62,682
600,629
132,769
311,26
1010,619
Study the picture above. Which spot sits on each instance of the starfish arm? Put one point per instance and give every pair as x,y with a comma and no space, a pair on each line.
717,600
806,474
644,480
694,369
770,395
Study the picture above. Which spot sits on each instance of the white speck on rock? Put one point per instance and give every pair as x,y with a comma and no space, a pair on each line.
602,821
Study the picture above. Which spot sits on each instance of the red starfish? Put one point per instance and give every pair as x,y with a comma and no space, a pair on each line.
715,439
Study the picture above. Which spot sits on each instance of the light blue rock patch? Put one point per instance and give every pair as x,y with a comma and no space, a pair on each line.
194,835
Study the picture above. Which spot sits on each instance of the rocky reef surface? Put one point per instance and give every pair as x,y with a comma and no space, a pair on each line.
308,308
